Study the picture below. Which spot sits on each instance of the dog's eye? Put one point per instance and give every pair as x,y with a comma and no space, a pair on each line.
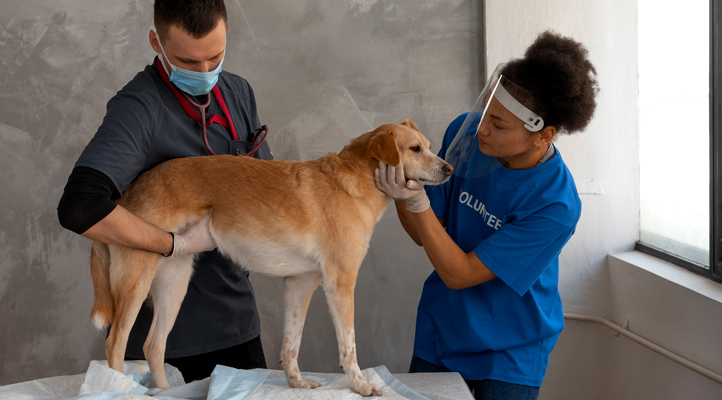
416,149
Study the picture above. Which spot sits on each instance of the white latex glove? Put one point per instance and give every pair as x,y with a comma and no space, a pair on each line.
195,239
391,181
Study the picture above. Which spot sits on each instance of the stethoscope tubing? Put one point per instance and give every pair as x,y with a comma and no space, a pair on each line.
202,109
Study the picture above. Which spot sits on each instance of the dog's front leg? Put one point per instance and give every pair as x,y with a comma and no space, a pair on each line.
299,290
339,294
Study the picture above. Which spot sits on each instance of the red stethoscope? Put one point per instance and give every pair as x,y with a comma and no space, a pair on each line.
187,103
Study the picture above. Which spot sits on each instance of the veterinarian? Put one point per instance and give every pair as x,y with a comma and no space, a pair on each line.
491,308
154,118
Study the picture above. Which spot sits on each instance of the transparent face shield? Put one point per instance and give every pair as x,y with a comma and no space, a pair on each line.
463,153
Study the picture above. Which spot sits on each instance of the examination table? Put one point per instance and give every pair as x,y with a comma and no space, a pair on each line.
102,383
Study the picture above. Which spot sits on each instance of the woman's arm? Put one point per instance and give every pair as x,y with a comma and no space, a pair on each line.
409,223
457,269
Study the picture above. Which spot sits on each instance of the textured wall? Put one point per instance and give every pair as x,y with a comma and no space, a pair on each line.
323,71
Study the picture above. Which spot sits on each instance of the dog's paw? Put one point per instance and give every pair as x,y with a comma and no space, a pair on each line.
305,384
311,383
366,389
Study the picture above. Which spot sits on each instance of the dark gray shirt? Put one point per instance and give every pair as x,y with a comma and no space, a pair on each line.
144,126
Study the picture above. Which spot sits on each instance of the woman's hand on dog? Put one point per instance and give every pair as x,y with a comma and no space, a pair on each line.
392,181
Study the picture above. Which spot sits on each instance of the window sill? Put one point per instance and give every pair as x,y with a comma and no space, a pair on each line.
672,273
668,305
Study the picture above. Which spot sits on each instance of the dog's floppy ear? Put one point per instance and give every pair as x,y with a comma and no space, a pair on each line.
410,124
383,148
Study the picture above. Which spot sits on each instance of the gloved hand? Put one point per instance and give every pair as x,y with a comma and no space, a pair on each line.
195,239
391,181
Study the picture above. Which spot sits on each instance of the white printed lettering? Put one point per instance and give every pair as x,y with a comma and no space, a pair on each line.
478,206
468,202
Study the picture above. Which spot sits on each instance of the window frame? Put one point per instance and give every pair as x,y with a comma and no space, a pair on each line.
715,87
714,272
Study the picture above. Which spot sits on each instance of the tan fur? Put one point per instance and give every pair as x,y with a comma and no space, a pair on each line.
309,222
102,312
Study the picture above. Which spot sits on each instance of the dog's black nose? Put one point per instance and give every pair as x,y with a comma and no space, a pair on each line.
448,169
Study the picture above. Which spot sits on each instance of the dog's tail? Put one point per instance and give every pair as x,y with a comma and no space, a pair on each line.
102,312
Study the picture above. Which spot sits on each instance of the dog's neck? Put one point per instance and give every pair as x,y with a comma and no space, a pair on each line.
351,175
357,169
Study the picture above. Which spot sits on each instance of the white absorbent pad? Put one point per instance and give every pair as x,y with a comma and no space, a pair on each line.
337,388
225,383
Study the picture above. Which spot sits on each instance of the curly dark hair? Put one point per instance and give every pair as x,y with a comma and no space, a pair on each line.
557,72
197,17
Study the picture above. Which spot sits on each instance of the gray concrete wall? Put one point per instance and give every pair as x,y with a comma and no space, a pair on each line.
323,71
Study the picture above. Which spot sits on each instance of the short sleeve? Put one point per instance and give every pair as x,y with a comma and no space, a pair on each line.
120,147
519,252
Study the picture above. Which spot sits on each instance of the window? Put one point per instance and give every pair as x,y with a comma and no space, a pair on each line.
679,71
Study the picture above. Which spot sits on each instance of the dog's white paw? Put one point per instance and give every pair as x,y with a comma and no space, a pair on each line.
366,389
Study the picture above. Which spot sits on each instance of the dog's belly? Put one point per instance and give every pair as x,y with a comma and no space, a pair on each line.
272,257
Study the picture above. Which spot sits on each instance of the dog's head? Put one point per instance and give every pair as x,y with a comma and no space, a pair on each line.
404,143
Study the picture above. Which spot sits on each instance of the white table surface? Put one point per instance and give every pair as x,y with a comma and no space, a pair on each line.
435,386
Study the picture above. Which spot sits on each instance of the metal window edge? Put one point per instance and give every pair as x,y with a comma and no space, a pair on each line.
687,264
715,128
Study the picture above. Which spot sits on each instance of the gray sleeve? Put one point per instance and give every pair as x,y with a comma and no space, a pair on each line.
120,147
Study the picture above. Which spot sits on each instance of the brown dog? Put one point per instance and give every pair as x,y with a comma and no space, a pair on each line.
311,223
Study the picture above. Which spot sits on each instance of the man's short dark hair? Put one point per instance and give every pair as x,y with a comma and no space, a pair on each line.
196,17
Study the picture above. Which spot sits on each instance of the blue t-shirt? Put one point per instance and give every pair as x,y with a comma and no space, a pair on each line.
517,222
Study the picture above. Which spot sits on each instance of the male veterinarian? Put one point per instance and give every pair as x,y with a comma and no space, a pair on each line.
154,118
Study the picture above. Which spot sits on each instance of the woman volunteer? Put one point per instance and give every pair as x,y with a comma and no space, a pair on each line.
491,310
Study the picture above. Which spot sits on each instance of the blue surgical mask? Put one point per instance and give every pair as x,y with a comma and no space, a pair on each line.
192,82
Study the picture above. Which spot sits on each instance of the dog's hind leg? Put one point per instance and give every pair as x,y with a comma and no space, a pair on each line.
131,274
167,291
339,294
102,312
298,293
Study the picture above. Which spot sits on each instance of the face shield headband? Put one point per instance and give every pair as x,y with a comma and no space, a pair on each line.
463,153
